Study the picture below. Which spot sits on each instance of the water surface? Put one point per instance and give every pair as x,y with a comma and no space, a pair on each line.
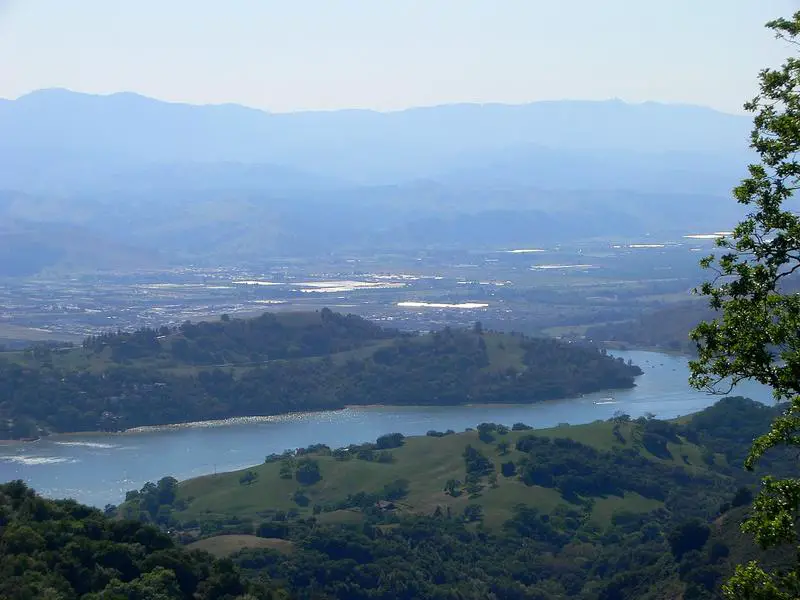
99,469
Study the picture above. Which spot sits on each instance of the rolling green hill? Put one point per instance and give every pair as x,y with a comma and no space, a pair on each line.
426,463
611,453
280,363
616,509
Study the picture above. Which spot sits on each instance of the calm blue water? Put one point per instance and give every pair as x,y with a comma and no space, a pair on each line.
99,469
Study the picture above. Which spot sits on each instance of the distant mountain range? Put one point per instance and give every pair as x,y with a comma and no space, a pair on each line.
123,134
229,181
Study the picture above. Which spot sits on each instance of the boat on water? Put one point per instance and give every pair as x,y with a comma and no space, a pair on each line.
608,400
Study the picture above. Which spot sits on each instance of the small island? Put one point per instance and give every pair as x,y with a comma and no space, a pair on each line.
282,363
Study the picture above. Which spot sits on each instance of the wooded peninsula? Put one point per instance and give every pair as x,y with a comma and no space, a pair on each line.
283,363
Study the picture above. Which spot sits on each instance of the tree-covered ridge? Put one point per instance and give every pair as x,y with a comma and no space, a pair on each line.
115,382
667,328
642,508
231,341
61,550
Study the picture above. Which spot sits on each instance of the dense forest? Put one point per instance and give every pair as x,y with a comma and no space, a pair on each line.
641,508
62,550
279,364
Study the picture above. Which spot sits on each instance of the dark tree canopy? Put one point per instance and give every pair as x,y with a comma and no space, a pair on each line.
64,550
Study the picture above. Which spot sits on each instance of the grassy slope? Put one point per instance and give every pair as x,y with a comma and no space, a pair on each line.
428,463
225,545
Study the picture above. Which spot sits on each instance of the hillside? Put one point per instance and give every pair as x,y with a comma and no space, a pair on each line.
664,329
280,363
607,510
31,247
228,223
707,447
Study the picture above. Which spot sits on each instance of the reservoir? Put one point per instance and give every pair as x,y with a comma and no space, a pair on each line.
98,469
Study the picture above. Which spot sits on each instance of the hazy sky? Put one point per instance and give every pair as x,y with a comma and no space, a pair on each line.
319,54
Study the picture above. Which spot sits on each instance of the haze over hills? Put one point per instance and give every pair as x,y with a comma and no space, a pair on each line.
230,182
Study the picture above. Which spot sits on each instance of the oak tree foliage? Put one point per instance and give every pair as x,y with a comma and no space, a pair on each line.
756,332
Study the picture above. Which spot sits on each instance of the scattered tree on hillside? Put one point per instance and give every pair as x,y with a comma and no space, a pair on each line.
390,440
452,487
508,469
307,472
476,462
473,512
757,332
485,432
248,478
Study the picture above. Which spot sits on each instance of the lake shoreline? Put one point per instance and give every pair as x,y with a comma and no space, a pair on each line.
98,468
20,441
613,346
255,419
